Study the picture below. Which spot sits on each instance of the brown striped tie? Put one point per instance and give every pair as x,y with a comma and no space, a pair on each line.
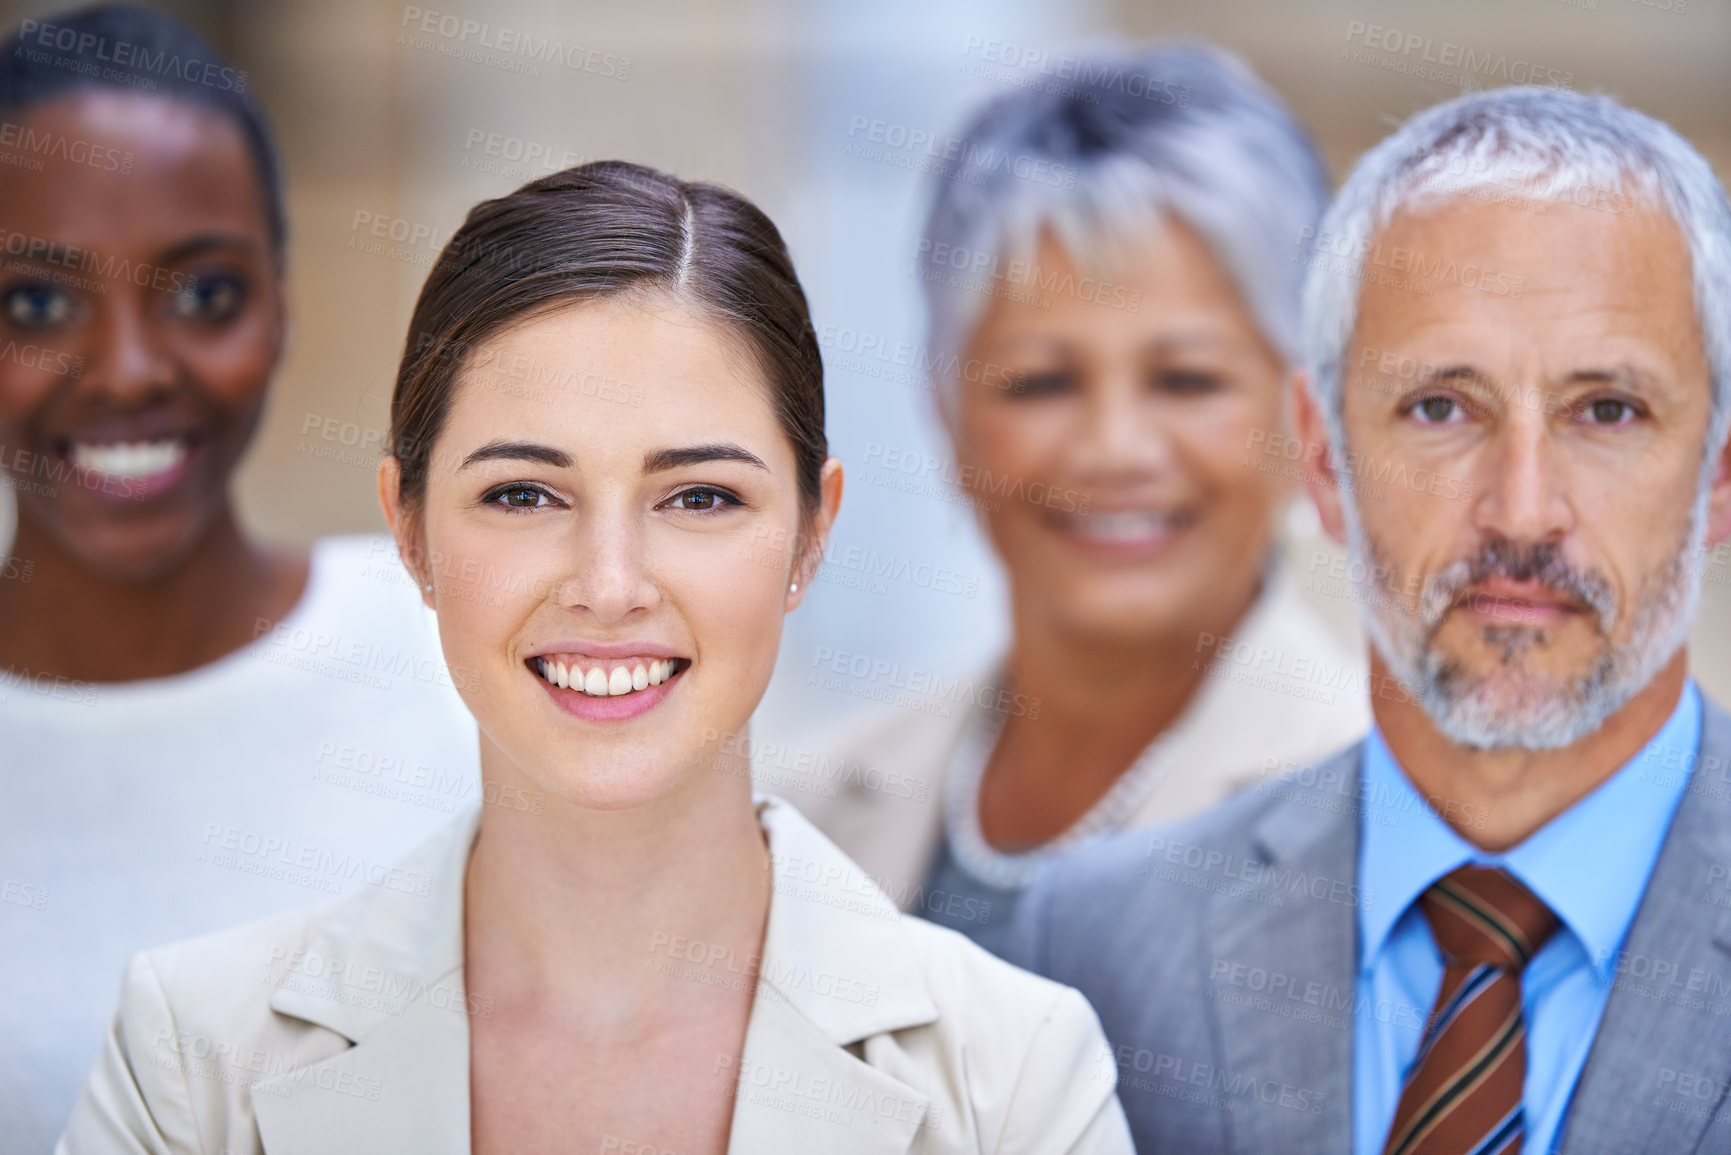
1463,1096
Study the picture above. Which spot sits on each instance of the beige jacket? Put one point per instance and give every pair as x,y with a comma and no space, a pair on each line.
1283,693
347,1030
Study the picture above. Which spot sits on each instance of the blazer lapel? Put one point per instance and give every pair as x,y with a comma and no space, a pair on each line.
405,1087
836,969
1282,932
796,1090
1660,1064
392,964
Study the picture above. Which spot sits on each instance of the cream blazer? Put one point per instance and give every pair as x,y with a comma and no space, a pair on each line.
346,1029
1284,694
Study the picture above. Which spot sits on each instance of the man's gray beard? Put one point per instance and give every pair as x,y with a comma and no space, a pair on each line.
1535,713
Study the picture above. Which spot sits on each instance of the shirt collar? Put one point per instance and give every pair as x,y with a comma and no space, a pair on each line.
1589,864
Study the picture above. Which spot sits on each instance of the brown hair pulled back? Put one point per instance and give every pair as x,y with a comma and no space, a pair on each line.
602,230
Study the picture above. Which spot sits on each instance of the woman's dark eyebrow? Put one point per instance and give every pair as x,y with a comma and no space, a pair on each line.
518,451
660,460
194,246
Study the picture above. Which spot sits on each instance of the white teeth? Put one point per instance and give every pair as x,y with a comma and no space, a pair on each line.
1124,527
131,460
602,682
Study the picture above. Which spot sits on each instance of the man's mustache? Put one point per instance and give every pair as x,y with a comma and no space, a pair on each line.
1540,562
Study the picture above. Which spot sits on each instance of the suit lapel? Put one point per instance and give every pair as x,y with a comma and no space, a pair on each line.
836,969
796,1090
1282,933
403,1084
1665,1038
405,1087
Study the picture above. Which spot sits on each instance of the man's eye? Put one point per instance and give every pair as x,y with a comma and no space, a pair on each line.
1610,411
1037,384
210,299
1436,410
518,497
37,306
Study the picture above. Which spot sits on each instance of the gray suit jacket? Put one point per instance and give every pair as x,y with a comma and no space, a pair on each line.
1221,957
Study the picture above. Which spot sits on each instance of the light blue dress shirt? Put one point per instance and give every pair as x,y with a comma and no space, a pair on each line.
1590,865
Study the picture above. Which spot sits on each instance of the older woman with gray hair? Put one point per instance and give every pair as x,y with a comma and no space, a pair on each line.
1112,277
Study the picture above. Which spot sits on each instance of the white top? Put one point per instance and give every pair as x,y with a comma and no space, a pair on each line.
345,1030
303,765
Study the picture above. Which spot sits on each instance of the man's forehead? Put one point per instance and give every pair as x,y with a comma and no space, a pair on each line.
1458,266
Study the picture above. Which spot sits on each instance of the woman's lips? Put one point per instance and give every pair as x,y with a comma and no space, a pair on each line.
131,470
607,689
1124,533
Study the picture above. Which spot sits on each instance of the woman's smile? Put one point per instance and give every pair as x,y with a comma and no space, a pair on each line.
607,688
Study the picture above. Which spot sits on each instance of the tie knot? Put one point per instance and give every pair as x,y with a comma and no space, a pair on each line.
1480,914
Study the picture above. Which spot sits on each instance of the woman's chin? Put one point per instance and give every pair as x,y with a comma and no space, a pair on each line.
135,550
611,788
1121,608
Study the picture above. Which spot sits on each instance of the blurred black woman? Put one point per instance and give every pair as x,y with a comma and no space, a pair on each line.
198,728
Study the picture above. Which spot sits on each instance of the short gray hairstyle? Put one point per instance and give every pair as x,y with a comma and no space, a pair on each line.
1541,144
1100,155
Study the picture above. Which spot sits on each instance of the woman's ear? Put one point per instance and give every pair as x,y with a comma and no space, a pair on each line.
1319,478
405,526
808,555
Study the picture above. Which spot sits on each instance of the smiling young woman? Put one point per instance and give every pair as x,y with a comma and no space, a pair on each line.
168,683
610,414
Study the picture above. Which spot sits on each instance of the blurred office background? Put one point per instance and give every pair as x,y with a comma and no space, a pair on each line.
392,131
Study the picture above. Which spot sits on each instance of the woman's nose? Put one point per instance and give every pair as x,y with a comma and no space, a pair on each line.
611,577
128,359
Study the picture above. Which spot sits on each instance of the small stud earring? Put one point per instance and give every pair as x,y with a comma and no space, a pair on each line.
428,587
794,588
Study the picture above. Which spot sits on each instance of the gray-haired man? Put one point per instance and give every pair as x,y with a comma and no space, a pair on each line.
1503,922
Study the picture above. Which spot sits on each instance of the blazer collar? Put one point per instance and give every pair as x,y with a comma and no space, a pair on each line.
391,982
391,945
835,949
837,967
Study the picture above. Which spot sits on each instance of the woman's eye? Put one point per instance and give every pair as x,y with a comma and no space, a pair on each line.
702,500
209,299
1037,384
519,497
1437,410
38,306
1181,381
1610,411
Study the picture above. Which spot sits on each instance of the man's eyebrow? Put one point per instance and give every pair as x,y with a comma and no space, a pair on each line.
1445,374
518,451
1624,375
660,460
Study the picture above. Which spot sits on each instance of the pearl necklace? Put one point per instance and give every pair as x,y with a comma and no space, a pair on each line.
1012,871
